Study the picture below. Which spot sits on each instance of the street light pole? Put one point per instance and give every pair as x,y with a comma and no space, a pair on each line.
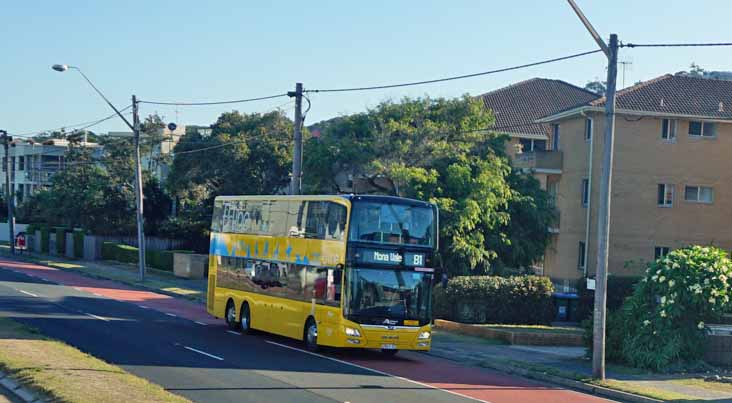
138,190
603,225
135,127
296,180
8,191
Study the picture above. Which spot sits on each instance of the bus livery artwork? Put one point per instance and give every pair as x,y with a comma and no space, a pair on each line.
340,271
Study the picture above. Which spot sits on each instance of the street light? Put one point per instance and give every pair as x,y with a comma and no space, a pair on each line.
135,127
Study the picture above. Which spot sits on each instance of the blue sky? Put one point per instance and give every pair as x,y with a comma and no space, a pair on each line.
199,50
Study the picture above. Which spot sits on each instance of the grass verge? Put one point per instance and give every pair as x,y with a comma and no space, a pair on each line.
65,374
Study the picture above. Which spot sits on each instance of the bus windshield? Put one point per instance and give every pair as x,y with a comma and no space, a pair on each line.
389,223
381,296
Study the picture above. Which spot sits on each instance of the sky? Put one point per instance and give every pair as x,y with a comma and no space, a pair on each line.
220,50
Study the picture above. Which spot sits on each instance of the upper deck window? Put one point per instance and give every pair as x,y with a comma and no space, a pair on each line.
389,223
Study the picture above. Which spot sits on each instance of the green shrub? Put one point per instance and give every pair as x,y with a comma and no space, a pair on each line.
661,325
159,259
491,299
618,290
45,239
61,240
78,243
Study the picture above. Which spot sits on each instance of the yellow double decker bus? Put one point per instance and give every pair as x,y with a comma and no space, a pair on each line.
340,271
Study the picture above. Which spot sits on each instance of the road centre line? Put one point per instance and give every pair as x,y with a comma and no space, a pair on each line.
203,352
376,371
95,316
233,332
171,315
28,293
199,323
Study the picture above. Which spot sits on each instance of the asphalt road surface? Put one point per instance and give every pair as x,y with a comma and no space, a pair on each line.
175,344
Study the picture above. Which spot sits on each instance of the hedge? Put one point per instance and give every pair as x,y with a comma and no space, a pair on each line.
618,289
525,300
78,243
159,259
44,239
61,240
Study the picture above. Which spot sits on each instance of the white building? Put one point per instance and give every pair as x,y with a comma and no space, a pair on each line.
154,160
34,163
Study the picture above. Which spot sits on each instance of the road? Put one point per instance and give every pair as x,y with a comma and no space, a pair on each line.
175,344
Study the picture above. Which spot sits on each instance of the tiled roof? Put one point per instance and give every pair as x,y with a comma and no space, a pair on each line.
520,104
677,94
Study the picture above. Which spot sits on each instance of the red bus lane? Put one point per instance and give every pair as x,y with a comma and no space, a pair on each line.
472,382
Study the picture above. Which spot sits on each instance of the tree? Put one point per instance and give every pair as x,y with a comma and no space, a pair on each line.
244,154
695,70
429,149
532,213
596,86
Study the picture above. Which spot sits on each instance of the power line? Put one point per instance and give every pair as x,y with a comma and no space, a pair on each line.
236,101
672,45
86,125
522,66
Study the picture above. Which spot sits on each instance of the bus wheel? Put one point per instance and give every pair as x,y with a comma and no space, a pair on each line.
389,352
311,335
245,324
231,315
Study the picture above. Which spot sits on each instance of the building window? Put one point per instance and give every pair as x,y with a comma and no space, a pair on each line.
665,195
585,192
702,129
660,251
21,163
668,129
581,256
588,129
699,194
530,145
555,137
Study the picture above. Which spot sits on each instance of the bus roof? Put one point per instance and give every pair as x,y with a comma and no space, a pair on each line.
349,197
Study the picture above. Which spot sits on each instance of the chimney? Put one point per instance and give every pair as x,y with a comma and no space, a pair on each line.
662,105
721,107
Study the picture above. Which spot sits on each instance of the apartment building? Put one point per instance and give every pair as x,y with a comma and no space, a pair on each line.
34,163
672,182
155,161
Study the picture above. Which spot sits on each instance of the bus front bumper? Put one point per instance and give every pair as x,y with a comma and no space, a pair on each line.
382,337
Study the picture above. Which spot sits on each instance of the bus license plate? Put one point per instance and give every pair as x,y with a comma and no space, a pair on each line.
388,346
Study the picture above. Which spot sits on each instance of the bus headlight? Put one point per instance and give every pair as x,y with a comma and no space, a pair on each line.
424,336
352,332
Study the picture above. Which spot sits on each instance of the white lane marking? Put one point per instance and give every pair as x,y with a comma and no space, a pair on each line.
377,371
95,316
143,307
28,293
78,289
98,295
170,314
199,323
203,352
232,332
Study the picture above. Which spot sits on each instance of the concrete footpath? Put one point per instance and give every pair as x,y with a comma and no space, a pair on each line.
558,362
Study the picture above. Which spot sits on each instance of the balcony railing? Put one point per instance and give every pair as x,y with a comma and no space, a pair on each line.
539,160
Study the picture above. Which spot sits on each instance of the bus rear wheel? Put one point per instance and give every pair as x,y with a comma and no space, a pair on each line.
245,322
310,335
231,316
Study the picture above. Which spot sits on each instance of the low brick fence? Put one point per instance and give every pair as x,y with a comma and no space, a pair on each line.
517,337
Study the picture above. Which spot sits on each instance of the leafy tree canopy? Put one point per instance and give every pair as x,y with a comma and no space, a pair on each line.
429,149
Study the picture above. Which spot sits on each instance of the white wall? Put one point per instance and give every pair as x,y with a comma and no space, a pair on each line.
4,230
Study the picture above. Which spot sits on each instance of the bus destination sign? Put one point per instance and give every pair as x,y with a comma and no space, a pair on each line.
390,257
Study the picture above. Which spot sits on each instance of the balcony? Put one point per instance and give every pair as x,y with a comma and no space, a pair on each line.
540,161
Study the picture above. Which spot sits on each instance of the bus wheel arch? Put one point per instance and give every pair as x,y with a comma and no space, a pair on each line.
230,314
245,318
310,334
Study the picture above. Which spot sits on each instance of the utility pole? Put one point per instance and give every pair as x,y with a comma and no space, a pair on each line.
138,190
296,180
8,192
603,226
